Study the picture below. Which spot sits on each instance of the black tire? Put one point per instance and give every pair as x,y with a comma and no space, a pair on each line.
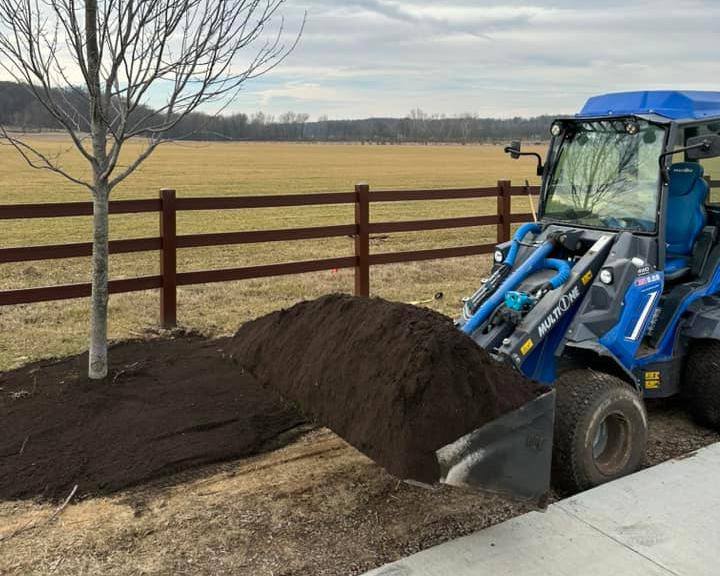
600,430
701,383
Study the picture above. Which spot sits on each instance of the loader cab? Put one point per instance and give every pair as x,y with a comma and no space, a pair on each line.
639,163
604,173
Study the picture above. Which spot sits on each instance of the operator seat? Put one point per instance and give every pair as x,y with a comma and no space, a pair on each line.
686,216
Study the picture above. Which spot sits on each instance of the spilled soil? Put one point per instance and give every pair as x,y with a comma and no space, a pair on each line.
167,405
396,381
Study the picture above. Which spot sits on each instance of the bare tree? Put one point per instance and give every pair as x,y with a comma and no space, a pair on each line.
419,124
600,171
137,68
301,119
466,120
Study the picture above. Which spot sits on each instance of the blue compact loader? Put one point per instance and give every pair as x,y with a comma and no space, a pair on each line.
612,296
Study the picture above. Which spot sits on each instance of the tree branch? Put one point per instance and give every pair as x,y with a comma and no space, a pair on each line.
127,68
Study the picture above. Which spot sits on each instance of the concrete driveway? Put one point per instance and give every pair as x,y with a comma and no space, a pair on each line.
661,521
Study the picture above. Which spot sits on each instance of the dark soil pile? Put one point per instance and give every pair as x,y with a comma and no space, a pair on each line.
395,381
167,405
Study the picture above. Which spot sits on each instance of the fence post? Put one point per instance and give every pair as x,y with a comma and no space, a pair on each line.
362,240
504,209
168,259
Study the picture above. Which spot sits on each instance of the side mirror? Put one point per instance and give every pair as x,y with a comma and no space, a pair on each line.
514,149
515,153
700,147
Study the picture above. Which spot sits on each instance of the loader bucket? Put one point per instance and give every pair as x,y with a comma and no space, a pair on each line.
510,455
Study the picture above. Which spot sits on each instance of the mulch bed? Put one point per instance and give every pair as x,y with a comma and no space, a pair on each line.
167,405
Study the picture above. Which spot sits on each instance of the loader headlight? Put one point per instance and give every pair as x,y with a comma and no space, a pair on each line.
498,256
606,276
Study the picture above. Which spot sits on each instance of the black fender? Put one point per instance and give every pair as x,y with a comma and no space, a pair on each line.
592,354
702,321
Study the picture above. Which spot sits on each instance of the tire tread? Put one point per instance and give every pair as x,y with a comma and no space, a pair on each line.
577,391
701,389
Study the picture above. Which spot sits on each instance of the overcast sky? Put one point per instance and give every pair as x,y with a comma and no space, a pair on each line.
361,58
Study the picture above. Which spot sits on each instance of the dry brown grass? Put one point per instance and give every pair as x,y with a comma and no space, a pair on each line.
315,507
202,169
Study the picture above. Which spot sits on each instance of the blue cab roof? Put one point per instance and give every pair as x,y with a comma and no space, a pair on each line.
675,105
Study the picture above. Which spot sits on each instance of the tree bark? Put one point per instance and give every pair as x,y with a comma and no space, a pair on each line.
97,361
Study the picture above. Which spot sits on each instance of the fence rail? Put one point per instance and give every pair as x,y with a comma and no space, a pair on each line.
169,242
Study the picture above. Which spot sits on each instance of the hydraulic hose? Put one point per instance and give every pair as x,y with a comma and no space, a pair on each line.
517,238
534,261
563,269
503,271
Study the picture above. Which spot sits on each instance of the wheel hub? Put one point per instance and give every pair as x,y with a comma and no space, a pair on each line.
611,444
601,438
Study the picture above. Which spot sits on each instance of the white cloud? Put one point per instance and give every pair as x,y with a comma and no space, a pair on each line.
383,57
306,92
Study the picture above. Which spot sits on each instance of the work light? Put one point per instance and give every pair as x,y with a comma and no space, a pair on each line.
606,276
632,127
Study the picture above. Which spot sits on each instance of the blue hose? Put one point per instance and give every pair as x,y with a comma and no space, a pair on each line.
534,261
519,235
563,269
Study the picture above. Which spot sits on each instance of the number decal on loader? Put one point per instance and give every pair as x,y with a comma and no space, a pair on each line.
652,380
525,348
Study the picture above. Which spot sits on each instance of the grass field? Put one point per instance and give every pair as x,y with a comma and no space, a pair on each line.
205,169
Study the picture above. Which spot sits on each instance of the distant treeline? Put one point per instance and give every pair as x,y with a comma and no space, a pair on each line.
20,111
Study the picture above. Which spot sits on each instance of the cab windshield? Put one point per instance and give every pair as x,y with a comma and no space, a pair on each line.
606,175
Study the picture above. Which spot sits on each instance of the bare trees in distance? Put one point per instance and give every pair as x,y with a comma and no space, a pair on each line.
24,114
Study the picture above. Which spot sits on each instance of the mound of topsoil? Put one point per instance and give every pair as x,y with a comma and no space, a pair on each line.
168,405
396,381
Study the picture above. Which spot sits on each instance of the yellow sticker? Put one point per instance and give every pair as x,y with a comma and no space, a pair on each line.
527,347
652,380
587,277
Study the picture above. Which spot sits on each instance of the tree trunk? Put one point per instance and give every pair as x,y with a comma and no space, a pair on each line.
98,360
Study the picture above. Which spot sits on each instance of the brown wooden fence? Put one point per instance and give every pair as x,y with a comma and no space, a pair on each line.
168,241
